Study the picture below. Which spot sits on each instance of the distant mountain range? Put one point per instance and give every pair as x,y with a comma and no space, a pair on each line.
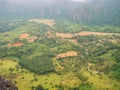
90,12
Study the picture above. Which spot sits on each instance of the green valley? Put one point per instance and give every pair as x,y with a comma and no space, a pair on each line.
60,55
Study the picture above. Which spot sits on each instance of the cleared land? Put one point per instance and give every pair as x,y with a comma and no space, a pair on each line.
17,44
87,33
28,37
64,35
83,33
74,41
67,54
49,22
32,39
24,36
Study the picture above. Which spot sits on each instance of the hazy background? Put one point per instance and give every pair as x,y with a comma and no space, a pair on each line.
85,11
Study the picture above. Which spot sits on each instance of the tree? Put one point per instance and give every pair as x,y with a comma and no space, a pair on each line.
39,87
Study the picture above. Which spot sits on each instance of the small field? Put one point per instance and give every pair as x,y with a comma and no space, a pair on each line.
64,35
17,44
87,33
101,82
84,33
24,36
67,54
49,22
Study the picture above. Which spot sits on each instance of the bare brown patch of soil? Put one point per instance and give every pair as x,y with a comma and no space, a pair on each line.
49,34
49,22
27,36
74,41
9,45
24,36
31,39
64,35
87,33
83,33
67,54
18,44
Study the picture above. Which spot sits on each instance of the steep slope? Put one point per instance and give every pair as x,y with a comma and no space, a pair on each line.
89,12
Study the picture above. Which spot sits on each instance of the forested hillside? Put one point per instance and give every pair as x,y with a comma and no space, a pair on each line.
91,12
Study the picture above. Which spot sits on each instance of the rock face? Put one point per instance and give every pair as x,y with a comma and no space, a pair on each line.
6,85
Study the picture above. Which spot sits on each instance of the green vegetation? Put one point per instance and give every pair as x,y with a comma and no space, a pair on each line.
117,55
70,27
34,59
84,39
38,64
116,71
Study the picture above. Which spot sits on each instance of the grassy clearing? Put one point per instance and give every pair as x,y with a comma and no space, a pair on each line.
28,80
70,80
25,79
5,65
57,65
102,82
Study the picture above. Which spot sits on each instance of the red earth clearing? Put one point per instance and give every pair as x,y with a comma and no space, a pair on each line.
24,36
67,54
87,33
75,41
83,33
18,44
32,39
64,35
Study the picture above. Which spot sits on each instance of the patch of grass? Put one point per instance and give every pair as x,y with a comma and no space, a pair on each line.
30,79
25,79
101,82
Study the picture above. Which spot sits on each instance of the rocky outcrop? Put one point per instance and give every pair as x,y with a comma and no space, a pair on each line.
6,85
